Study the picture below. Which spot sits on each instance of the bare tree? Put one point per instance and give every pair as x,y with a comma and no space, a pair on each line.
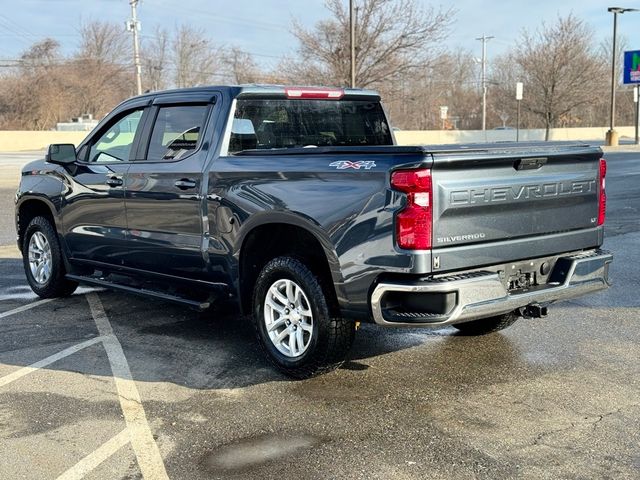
196,60
393,38
559,69
104,42
503,76
33,95
414,101
241,66
100,73
155,60
47,87
41,54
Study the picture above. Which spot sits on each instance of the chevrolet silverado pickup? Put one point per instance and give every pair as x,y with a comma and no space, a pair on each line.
296,205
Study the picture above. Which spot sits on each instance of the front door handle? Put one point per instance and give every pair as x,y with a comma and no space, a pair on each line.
185,184
114,181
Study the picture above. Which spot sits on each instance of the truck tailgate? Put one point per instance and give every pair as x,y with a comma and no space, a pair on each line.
500,193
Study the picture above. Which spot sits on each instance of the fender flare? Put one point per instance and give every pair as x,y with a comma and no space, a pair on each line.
305,223
41,198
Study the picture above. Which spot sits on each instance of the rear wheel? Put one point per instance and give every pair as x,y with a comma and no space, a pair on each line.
487,325
292,319
43,262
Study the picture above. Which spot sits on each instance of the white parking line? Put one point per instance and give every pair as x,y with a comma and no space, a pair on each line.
12,377
26,307
95,458
24,292
144,446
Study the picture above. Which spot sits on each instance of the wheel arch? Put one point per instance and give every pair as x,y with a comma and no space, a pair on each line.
270,235
29,207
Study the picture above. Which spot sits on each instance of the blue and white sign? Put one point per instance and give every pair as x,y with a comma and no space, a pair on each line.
632,67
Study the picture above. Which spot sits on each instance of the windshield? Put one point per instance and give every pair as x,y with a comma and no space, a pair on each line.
268,124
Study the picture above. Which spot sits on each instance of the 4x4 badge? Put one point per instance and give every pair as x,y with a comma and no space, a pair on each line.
344,164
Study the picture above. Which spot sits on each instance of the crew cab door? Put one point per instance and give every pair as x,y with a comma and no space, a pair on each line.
164,200
93,214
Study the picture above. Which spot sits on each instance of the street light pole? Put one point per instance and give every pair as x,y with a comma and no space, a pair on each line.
352,43
484,40
612,135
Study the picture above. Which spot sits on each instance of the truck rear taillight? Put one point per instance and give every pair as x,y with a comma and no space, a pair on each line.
602,195
315,93
414,221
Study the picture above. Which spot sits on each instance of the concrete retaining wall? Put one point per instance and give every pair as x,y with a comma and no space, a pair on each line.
437,137
15,141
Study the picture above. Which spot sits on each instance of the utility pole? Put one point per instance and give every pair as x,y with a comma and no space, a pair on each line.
484,39
133,25
352,36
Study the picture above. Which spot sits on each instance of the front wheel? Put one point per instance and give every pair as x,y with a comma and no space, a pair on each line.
487,325
292,319
43,262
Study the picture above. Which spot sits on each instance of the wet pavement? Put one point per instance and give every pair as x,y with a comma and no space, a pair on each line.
106,385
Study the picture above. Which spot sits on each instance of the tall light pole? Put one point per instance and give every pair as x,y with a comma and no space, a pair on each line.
352,42
612,135
484,40
133,25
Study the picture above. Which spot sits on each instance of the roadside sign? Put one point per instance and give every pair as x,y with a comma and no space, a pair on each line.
443,112
519,88
632,67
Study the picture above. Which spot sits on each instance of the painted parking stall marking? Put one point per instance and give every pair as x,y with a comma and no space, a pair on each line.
95,458
142,441
12,377
25,307
138,433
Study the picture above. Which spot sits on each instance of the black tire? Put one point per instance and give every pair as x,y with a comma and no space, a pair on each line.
487,325
56,285
331,338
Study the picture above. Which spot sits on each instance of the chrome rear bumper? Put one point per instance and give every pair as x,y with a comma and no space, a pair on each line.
483,294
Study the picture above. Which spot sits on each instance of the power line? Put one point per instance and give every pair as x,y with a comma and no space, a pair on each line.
232,19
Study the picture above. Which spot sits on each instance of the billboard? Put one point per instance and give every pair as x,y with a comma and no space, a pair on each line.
631,67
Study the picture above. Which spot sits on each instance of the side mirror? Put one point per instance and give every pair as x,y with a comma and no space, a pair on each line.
61,153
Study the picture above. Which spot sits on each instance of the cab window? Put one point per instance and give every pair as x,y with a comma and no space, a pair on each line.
275,123
114,145
176,132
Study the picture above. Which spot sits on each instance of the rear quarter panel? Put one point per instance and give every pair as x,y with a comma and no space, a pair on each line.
349,211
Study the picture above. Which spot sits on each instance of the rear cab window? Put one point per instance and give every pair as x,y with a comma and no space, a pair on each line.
299,123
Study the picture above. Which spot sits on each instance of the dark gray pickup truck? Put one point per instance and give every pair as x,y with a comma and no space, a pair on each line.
295,205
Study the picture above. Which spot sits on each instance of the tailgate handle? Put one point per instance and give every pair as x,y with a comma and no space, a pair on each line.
530,163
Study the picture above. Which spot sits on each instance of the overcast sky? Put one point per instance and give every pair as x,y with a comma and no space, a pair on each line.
262,27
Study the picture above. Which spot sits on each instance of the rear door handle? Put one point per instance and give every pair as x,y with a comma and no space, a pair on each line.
185,184
114,181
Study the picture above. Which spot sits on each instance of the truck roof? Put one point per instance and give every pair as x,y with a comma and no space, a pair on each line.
263,90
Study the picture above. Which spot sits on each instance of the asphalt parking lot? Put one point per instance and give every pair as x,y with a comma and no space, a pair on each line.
106,385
